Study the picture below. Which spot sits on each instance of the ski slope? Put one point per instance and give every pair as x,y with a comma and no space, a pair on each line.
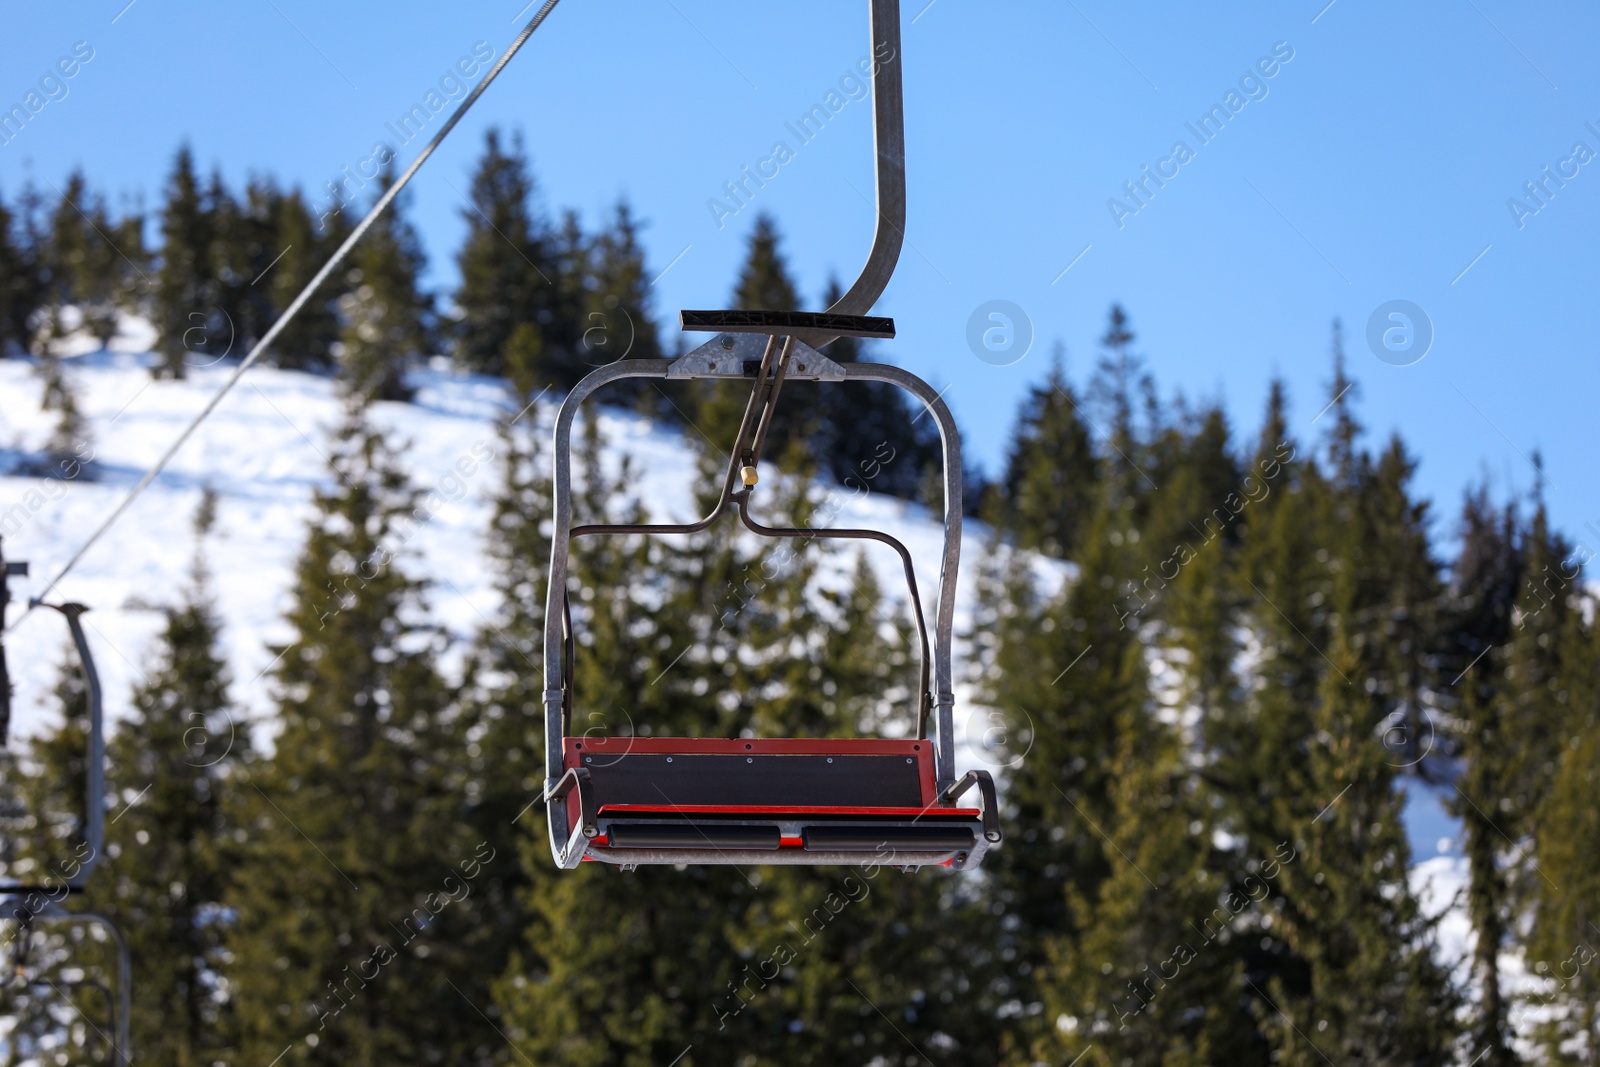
263,453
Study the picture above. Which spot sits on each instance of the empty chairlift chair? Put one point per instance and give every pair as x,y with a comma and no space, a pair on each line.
680,800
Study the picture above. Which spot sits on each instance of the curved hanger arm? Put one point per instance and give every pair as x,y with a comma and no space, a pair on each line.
889,144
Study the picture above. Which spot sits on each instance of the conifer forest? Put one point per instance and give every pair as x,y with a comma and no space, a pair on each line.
1208,665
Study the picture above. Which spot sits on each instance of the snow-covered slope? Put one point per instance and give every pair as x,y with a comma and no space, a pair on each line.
263,452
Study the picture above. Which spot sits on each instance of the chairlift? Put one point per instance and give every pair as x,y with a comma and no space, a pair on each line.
810,801
29,904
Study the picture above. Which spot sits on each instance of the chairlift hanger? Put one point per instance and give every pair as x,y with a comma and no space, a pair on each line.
22,903
812,801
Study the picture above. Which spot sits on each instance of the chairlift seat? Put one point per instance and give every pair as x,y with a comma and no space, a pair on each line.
768,800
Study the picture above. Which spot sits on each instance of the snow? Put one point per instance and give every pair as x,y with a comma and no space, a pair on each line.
263,452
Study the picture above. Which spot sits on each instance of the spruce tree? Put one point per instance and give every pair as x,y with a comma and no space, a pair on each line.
498,771
21,283
1476,622
1155,975
1565,907
308,341
1062,673
617,316
353,894
85,269
1051,472
1119,381
63,965
68,454
508,274
387,318
169,848
246,245
1536,706
1365,987
186,285
613,318
764,284
621,967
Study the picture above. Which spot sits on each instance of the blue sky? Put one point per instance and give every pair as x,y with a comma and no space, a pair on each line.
1375,164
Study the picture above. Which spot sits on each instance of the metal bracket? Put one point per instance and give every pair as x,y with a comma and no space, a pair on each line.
568,856
990,804
731,355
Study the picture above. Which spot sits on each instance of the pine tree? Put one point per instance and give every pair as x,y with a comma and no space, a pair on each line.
68,454
186,285
507,270
387,318
246,244
1476,622
1364,987
169,849
1051,475
85,269
1566,917
353,892
307,342
21,283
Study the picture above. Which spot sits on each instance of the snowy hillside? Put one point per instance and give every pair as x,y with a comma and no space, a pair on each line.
263,452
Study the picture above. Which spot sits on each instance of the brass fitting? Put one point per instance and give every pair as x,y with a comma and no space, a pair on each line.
749,475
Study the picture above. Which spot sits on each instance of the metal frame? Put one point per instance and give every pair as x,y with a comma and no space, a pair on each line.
789,350
120,1007
27,910
725,357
